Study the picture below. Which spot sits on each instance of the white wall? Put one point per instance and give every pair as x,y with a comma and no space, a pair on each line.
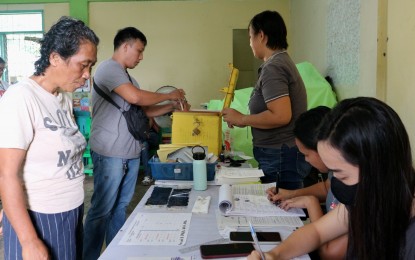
400,61
189,42
309,32
310,21
368,48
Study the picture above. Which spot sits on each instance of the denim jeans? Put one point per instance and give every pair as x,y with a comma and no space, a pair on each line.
145,156
287,161
114,185
151,143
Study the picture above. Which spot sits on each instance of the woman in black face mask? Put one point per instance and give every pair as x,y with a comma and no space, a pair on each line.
365,144
306,131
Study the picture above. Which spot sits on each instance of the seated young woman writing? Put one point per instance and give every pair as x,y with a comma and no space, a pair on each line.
365,144
305,131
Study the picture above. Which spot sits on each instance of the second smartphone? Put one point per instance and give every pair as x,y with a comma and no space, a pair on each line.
232,250
263,237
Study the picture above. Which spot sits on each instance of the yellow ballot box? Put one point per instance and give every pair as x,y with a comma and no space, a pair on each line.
204,127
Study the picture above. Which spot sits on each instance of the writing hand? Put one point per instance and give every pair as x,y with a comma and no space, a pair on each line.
281,195
255,255
271,191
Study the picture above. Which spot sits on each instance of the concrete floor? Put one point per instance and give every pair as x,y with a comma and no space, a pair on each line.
140,190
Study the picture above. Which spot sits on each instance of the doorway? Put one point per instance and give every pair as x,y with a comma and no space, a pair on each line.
244,60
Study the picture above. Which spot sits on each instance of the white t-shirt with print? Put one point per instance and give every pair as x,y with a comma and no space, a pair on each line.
43,125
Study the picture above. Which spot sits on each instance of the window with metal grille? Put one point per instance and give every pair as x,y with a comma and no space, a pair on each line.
20,34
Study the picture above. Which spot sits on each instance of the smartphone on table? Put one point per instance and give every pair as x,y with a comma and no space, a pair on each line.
263,237
226,250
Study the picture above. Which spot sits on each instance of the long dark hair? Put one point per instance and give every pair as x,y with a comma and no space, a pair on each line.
370,135
273,26
64,38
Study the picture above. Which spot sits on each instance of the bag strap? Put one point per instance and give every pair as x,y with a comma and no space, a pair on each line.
105,96
129,77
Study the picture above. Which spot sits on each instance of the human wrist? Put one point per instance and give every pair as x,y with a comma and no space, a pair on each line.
28,238
273,253
243,120
292,194
312,200
170,96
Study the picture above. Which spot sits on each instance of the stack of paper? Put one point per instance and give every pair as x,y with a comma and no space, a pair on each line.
181,153
251,200
230,175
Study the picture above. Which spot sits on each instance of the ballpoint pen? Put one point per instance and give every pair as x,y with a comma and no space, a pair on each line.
277,183
184,194
254,237
277,189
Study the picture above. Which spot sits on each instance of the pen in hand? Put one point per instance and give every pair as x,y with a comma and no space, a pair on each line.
254,237
277,190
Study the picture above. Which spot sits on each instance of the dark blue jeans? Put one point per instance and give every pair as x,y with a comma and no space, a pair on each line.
151,143
114,184
287,161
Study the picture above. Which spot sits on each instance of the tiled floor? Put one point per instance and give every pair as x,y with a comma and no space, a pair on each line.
89,188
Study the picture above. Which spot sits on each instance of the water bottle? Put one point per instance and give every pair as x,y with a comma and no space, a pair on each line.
199,169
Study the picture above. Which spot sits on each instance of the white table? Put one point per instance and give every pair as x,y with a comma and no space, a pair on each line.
203,229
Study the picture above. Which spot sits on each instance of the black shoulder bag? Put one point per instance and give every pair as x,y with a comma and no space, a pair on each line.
137,121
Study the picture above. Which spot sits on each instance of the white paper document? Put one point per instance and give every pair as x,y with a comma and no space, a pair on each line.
158,229
251,200
267,222
231,175
236,173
